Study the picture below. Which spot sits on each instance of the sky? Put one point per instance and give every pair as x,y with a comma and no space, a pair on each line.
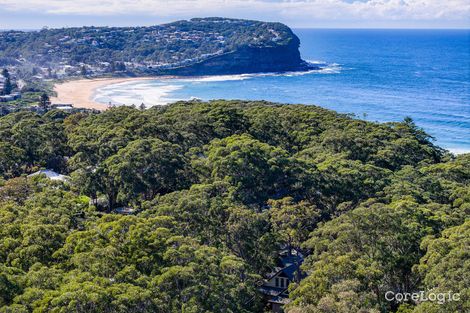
35,14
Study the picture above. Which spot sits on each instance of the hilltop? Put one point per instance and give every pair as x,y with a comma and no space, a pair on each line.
200,46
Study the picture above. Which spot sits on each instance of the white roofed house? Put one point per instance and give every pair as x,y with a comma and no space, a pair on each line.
125,210
51,175
10,97
62,106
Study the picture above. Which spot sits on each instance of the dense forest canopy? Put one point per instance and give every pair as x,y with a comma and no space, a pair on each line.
177,43
218,188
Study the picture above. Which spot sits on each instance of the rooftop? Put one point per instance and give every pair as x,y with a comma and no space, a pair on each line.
51,175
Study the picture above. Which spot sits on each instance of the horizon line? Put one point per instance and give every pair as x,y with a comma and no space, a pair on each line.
292,27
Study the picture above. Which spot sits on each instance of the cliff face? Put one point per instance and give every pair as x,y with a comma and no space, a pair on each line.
249,59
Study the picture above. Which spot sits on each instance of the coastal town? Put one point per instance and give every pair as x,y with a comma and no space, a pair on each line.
12,100
7,87
94,51
9,92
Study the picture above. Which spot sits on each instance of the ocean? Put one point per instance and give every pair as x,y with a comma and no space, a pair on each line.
378,75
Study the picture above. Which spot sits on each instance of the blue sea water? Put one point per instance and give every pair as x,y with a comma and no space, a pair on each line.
379,75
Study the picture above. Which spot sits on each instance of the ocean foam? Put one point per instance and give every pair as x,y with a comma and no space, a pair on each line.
325,68
135,93
215,78
458,150
158,91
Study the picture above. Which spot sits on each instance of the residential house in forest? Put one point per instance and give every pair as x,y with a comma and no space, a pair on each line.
275,286
51,175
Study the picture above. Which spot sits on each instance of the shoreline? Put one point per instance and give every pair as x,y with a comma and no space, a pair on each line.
80,92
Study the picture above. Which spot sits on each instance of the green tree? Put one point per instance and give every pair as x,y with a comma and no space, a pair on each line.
376,245
446,267
83,70
145,168
44,101
5,73
293,222
253,168
8,86
343,297
248,235
11,159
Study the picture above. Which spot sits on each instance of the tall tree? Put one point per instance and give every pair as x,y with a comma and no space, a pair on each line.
5,73
83,71
8,87
44,101
446,268
145,168
293,222
253,168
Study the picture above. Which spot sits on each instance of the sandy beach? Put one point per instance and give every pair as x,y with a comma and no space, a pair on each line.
80,92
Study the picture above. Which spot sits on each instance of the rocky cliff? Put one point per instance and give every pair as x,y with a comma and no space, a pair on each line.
248,59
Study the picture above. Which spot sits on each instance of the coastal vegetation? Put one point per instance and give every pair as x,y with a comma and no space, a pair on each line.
181,47
216,190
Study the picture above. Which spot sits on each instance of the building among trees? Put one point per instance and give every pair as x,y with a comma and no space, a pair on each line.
275,287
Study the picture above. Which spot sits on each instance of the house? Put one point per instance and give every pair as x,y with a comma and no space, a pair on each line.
11,97
62,106
6,98
125,210
275,287
51,175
